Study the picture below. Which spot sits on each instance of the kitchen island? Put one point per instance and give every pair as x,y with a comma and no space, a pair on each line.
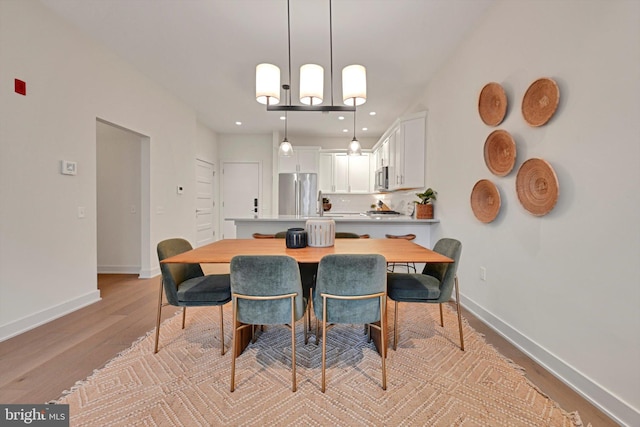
375,226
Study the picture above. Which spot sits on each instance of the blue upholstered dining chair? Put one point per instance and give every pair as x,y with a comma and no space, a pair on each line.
266,290
351,289
185,285
435,285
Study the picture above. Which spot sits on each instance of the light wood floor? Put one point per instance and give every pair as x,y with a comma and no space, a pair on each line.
38,365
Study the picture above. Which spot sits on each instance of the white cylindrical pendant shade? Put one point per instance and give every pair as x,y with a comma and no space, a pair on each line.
354,85
311,84
267,84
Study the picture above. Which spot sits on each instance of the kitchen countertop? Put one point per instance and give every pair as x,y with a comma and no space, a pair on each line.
375,226
340,217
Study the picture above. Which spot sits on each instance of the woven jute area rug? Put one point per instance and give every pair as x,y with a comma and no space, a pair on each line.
430,381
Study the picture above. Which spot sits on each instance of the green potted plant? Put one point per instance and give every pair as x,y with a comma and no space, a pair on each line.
424,207
326,204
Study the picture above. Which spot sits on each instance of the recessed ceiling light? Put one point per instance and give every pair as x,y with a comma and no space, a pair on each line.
340,117
373,113
345,130
239,123
365,128
283,118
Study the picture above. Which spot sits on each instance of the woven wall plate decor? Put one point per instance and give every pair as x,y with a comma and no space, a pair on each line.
537,186
492,104
540,101
485,200
500,152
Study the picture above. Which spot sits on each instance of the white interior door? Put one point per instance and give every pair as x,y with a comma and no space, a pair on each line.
205,204
241,193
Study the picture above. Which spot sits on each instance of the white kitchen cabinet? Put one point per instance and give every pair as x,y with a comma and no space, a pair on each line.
325,173
359,174
409,153
341,173
303,159
382,155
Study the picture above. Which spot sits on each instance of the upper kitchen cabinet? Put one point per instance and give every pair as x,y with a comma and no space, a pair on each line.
406,140
382,154
341,173
304,159
409,153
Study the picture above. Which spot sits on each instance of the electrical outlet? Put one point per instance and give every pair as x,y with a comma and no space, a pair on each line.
81,212
483,274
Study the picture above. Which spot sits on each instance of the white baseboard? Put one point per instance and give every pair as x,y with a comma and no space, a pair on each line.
149,273
601,398
118,269
31,321
143,273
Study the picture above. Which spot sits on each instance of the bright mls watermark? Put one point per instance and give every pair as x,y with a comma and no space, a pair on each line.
34,415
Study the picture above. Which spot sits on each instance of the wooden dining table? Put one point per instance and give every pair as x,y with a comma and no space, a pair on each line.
393,250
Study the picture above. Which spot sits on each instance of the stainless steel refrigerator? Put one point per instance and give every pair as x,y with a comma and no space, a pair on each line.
298,194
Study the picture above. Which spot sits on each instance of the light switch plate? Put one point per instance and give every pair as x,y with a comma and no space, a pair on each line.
68,168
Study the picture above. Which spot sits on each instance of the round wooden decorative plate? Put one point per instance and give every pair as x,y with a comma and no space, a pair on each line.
537,186
492,104
500,152
485,200
540,101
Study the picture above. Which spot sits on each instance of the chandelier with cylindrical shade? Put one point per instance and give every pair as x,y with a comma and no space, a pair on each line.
354,88
311,95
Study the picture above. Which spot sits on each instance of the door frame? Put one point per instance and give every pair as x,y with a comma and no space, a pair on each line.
145,271
214,235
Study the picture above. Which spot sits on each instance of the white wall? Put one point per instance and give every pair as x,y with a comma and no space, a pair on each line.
119,192
564,287
47,254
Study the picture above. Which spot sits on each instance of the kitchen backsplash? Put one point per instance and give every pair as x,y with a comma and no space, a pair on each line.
401,201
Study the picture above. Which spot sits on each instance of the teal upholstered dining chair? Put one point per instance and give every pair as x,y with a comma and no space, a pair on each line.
266,290
351,289
435,285
186,285
307,275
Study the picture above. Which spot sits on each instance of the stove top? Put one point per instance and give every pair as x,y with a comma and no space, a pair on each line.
383,213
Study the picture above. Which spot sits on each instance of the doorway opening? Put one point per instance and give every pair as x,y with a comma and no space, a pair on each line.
122,200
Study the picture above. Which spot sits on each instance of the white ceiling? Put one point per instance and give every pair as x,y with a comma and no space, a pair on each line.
205,52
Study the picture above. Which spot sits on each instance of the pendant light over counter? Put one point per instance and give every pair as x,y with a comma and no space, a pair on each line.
311,95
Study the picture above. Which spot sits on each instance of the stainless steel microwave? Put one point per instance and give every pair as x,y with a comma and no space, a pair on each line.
382,179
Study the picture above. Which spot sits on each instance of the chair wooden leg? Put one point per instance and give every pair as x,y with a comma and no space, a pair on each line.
155,349
234,324
441,316
184,316
383,339
395,325
221,330
293,344
324,340
459,313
